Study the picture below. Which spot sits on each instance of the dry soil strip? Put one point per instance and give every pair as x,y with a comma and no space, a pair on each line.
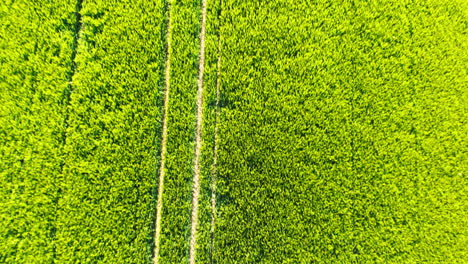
167,76
196,174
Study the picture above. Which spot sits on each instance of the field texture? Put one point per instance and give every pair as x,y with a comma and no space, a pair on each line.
343,132
330,131
36,43
80,140
106,211
181,116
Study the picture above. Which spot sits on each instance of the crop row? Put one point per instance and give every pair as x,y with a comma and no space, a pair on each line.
333,131
81,95
81,125
106,212
181,119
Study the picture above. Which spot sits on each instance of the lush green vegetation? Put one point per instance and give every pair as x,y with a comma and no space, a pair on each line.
106,212
343,132
340,129
36,41
79,155
212,78
177,195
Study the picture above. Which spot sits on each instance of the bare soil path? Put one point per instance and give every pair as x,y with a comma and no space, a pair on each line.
167,77
198,140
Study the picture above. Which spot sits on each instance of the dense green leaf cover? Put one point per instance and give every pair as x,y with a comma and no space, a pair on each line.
106,214
343,132
177,196
341,129
211,80
36,41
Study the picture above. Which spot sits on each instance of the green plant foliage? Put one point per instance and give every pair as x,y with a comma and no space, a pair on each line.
36,41
211,79
106,214
177,196
343,132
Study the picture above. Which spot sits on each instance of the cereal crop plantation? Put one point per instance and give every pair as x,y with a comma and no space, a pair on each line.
227,131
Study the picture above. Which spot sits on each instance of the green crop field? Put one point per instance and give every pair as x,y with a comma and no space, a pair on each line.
221,131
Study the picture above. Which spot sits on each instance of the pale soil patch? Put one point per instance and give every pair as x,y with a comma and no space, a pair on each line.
167,76
196,175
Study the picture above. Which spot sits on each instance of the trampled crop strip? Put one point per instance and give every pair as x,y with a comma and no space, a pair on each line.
198,140
167,75
215,139
69,89
67,94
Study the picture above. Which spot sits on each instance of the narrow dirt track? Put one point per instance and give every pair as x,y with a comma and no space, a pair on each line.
167,77
198,140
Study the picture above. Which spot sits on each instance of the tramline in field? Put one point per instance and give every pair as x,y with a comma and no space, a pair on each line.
221,131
